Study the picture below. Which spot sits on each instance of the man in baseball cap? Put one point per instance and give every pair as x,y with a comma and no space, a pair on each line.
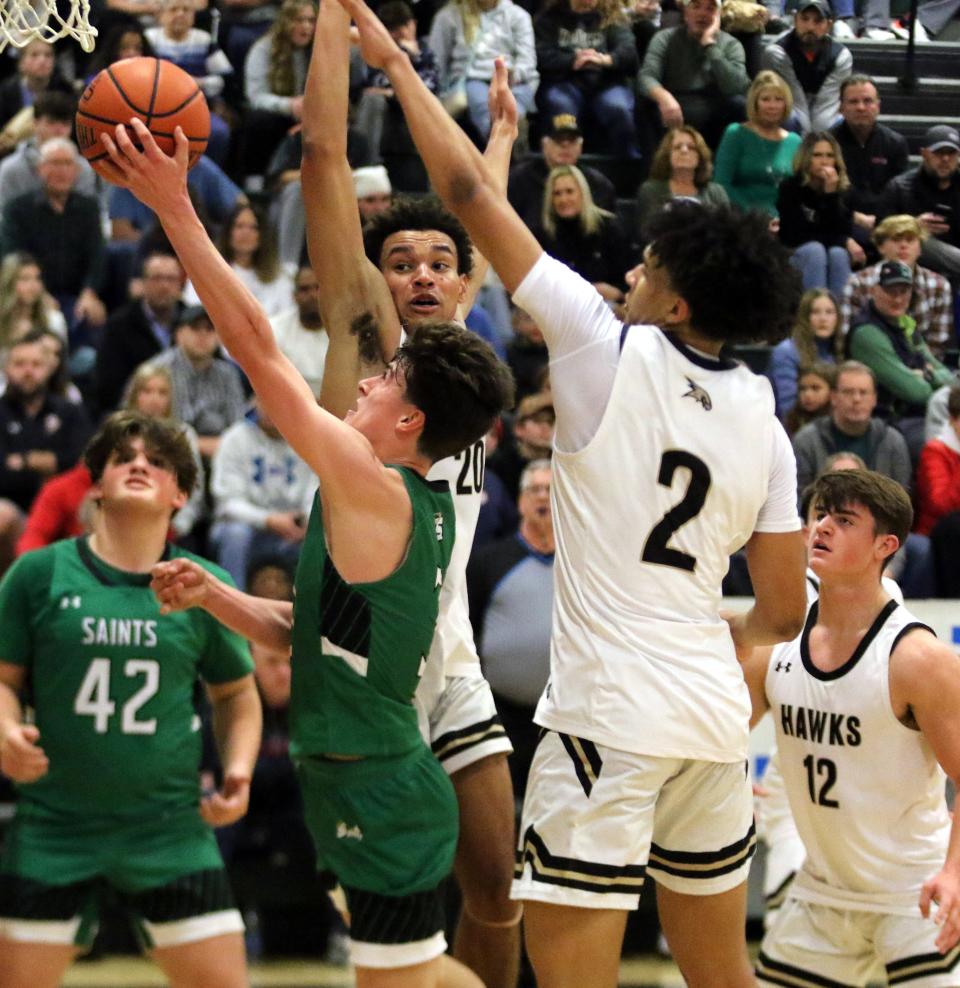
563,125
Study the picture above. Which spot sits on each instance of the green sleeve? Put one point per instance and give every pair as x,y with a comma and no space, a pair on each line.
941,375
18,604
871,347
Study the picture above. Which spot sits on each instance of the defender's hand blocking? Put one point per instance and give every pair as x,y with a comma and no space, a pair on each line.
155,178
179,584
377,47
944,890
21,758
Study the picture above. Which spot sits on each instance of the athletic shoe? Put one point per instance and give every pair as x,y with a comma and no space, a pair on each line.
843,31
879,34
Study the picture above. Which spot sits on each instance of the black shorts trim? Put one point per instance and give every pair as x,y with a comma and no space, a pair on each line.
590,876
776,898
394,919
777,973
26,898
586,759
921,966
196,894
454,742
704,864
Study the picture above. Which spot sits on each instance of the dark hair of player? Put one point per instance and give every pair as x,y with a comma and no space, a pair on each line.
159,436
884,498
425,213
457,381
735,277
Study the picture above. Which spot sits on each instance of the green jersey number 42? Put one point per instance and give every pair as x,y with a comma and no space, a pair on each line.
93,697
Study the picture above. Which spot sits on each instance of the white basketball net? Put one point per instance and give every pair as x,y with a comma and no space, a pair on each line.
21,21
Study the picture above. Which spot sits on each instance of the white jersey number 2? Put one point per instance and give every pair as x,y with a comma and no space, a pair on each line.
657,549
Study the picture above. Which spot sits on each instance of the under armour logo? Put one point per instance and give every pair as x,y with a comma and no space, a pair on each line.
70,600
698,394
783,667
350,833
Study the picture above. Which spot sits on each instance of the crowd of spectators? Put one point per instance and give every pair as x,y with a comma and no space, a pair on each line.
742,103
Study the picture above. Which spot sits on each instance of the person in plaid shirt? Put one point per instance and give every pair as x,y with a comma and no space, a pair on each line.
900,238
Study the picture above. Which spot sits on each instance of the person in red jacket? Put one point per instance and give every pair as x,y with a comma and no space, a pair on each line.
938,498
57,511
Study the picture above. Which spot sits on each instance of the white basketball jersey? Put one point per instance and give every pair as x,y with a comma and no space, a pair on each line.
866,792
646,516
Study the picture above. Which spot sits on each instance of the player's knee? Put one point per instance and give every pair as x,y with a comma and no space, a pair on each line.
487,899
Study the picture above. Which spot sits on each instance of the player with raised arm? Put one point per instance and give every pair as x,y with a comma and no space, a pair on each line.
107,755
864,705
381,810
667,458
413,264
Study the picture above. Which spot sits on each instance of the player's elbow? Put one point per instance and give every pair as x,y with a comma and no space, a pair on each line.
788,621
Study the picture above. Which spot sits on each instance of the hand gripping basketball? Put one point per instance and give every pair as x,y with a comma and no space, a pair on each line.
155,178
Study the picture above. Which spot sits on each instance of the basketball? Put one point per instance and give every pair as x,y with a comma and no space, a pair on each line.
160,93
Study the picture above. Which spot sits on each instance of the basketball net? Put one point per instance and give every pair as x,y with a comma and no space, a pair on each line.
22,21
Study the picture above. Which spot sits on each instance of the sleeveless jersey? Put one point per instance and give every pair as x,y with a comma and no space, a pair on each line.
112,682
646,516
359,649
866,792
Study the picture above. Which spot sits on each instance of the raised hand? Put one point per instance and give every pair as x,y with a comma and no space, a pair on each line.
376,45
155,178
179,584
500,99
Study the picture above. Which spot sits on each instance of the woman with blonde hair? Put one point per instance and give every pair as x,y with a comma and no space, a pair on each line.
816,339
754,157
681,168
816,218
275,72
588,239
24,304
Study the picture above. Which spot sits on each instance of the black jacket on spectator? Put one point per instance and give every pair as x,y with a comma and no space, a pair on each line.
529,178
560,32
68,246
871,166
917,192
11,94
807,214
60,427
810,74
128,340
603,256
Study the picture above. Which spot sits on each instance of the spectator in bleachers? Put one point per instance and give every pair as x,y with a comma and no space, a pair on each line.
532,439
931,192
813,65
467,36
59,383
588,60
61,510
61,229
262,494
755,157
248,245
645,22
299,331
125,39
900,238
178,40
586,238
36,73
938,498
815,215
852,427
53,114
695,73
510,589
682,167
274,75
561,144
814,386
207,390
24,302
526,353
885,338
872,152
816,338
139,330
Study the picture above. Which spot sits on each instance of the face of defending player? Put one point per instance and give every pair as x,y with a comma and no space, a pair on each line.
140,479
420,269
384,415
650,297
845,542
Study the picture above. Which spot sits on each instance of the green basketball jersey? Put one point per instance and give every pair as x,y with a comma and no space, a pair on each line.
111,681
358,649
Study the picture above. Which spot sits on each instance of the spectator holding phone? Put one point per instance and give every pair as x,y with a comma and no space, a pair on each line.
931,193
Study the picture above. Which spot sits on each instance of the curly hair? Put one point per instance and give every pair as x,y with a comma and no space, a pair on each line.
457,381
160,436
735,277
422,213
280,77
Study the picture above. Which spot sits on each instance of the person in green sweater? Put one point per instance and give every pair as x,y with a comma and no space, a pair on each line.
885,338
753,158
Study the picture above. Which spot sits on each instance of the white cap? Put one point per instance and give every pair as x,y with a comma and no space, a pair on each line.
370,181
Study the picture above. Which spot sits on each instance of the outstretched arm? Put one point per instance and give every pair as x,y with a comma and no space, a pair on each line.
457,171
350,285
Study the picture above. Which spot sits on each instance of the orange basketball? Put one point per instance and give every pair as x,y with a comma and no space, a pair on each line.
160,93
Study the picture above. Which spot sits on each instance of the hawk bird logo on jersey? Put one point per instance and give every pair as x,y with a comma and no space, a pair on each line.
698,394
